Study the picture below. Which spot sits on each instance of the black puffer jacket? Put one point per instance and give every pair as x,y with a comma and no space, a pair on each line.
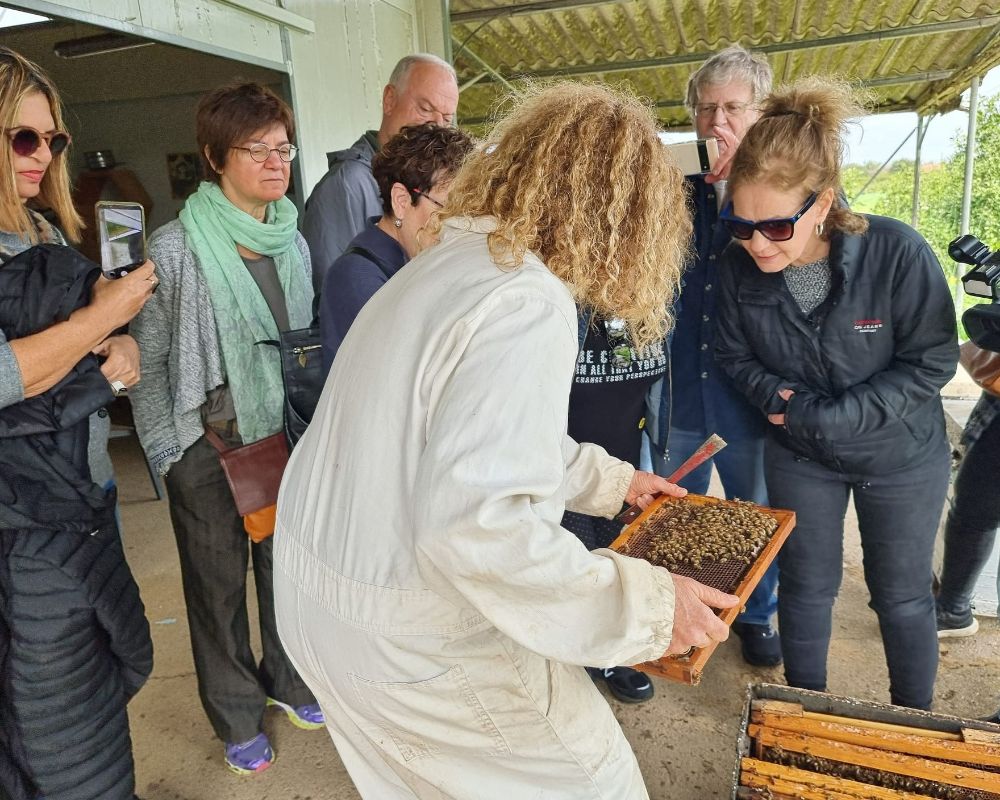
74,640
866,367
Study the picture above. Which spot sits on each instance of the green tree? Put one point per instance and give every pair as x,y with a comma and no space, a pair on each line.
939,220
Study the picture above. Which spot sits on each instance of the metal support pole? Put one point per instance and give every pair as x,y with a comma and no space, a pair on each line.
915,212
970,163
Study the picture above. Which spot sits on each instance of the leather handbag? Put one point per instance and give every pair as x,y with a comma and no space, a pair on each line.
253,470
983,366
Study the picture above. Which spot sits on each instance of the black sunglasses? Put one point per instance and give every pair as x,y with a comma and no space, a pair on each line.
777,230
26,141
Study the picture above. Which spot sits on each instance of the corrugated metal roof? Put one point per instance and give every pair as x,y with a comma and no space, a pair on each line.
916,54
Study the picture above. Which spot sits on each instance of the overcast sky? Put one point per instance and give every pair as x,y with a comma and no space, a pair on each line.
878,136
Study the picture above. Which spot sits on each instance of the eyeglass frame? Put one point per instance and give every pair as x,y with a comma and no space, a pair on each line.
421,193
12,133
293,151
729,219
733,108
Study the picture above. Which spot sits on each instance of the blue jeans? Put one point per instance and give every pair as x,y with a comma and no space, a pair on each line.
741,470
972,521
898,515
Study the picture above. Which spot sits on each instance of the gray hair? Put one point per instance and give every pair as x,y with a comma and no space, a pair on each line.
401,72
733,63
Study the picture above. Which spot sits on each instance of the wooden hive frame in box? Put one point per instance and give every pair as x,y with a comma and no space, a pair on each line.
800,744
635,541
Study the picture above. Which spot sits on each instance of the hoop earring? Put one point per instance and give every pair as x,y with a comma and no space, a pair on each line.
398,222
819,229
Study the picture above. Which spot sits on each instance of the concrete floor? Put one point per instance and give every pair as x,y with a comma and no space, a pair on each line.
684,738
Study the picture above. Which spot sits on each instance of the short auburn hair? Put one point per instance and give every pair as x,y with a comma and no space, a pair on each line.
418,157
230,114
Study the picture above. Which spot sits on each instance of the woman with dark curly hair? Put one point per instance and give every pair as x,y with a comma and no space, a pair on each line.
413,172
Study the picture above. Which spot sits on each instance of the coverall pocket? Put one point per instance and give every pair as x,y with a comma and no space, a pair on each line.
427,718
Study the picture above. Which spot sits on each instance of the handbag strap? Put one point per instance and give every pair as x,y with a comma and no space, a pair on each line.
365,253
215,440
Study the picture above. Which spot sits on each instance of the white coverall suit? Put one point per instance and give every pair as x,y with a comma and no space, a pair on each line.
425,590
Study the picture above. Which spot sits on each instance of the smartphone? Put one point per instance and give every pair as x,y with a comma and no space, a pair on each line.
122,231
696,157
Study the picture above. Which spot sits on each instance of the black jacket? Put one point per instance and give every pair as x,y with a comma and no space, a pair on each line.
44,475
866,367
74,640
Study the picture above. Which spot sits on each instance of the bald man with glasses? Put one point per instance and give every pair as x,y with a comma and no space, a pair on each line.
422,88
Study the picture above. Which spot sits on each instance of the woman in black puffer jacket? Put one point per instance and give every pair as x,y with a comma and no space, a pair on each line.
840,329
74,641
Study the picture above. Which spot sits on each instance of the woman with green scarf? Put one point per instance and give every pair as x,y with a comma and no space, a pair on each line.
233,272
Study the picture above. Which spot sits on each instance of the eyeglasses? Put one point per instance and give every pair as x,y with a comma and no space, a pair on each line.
419,193
621,349
260,152
731,109
777,230
26,141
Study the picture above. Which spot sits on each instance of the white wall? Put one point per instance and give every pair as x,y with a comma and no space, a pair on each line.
338,72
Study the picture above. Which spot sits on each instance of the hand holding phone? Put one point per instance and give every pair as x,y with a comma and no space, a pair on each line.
695,157
121,228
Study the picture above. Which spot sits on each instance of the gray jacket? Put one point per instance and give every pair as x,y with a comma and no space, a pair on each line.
181,355
341,204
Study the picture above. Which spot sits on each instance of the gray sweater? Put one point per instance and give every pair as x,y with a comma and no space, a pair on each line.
181,354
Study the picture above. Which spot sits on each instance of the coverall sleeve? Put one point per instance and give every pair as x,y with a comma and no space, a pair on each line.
489,499
924,359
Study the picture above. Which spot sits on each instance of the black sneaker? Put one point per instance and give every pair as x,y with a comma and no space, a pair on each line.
627,684
761,644
995,719
955,625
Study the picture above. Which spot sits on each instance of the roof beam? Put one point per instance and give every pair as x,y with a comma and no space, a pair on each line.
888,34
517,9
891,80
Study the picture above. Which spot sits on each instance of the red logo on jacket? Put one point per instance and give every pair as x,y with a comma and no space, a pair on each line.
867,325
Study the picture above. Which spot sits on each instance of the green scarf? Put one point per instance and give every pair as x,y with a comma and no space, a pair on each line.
214,226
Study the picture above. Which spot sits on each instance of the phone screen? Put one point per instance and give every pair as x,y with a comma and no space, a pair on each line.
123,237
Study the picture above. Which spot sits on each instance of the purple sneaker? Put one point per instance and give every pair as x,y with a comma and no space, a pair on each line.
246,758
308,717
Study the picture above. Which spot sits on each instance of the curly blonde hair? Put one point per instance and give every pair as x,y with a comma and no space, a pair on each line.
798,143
577,175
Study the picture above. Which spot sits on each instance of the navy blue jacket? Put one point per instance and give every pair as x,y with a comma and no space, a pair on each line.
696,395
350,283
866,367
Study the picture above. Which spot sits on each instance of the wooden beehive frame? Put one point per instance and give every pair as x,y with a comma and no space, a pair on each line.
688,668
961,758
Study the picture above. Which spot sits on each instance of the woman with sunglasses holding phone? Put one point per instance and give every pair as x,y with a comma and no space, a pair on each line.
74,641
413,172
235,272
840,328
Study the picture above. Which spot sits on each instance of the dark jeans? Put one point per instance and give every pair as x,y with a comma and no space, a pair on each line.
741,470
898,517
972,521
214,548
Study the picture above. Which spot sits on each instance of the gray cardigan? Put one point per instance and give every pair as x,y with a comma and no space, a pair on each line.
179,343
